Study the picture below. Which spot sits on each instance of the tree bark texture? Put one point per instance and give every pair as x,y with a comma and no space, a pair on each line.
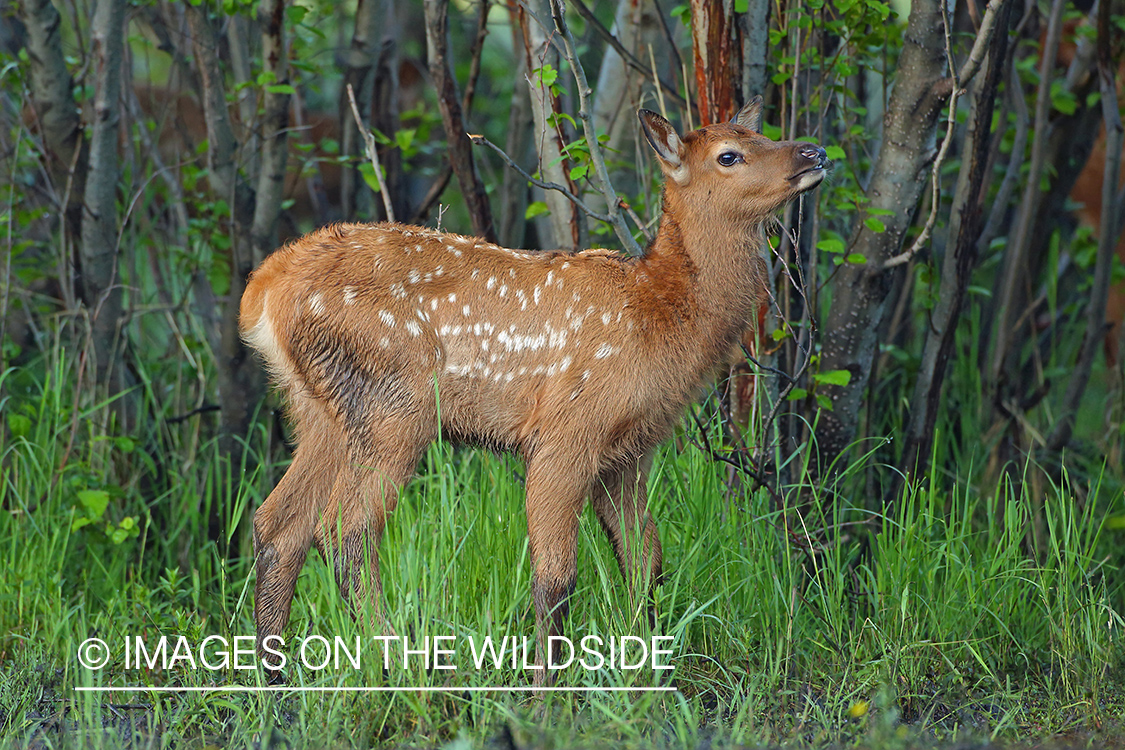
565,226
274,132
98,251
850,332
754,27
712,42
241,383
371,67
449,101
55,110
960,258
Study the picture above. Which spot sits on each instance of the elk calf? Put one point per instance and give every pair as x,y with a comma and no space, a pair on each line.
580,363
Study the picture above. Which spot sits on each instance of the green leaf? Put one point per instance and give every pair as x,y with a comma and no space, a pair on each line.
824,402
19,424
835,152
874,225
797,394
404,138
833,377
94,501
281,88
856,259
579,172
547,75
538,208
367,170
125,444
831,245
1062,99
294,14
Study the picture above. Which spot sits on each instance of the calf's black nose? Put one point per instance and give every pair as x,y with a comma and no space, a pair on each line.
815,154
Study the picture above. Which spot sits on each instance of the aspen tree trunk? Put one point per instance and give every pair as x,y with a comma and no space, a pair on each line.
860,291
965,222
100,282
55,110
566,227
241,382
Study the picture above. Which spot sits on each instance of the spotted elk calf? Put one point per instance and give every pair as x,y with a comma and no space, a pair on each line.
580,363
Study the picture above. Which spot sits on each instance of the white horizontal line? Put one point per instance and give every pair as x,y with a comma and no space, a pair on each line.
390,689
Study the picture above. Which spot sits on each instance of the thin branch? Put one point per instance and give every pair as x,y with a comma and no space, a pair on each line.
372,154
629,58
436,14
1013,270
480,140
475,56
636,219
437,187
980,46
1012,173
601,174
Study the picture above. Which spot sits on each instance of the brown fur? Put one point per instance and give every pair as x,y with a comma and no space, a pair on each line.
581,363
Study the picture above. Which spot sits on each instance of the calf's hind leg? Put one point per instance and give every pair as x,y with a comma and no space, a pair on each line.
364,495
620,501
283,525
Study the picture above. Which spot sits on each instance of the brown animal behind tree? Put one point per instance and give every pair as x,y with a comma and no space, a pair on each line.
579,363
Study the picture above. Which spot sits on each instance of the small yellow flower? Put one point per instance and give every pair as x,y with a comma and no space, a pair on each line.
858,709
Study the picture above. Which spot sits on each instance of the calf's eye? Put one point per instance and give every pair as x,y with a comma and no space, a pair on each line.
729,158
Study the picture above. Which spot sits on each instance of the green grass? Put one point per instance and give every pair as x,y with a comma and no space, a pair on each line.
791,625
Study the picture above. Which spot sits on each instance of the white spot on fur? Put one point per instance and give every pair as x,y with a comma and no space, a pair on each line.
550,276
604,351
384,342
503,290
491,283
452,298
414,328
349,295
605,319
315,304
414,276
465,311
387,318
536,294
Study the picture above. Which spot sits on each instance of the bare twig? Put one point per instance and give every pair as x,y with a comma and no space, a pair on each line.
601,174
1012,173
480,140
436,14
636,219
629,58
980,46
475,55
372,154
